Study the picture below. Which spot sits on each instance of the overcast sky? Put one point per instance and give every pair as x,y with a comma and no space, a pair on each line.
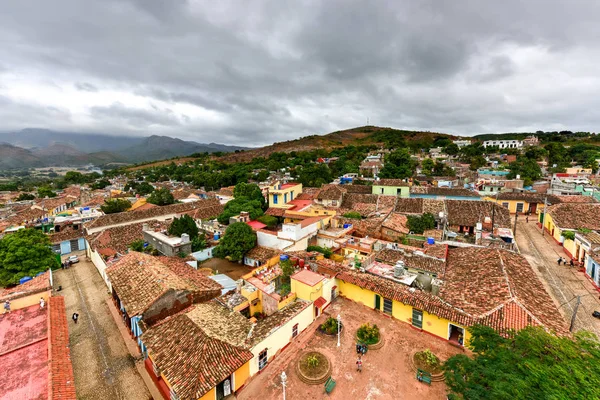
254,72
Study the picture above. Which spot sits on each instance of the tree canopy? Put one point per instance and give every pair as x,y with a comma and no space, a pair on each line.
184,224
315,175
161,197
419,224
398,165
25,252
25,196
247,197
45,191
527,169
112,206
530,364
239,238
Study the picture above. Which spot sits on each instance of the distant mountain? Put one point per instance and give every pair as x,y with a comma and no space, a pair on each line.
17,157
85,142
58,150
164,147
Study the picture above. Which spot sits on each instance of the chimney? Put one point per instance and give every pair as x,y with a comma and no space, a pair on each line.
185,238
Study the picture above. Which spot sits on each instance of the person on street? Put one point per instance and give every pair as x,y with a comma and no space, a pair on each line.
359,365
75,317
571,263
527,219
42,302
559,260
7,307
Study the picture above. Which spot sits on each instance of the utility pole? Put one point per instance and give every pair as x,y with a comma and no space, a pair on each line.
544,214
515,228
575,314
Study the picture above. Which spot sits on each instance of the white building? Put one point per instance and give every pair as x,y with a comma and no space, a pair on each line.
504,144
461,143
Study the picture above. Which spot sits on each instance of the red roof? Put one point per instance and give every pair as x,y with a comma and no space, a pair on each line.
299,204
320,302
310,221
308,277
256,225
62,382
288,185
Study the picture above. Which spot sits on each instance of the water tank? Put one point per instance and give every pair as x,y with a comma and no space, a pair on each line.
24,279
346,226
430,240
294,261
216,236
301,263
283,257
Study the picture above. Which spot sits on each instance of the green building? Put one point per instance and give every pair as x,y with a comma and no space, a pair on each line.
391,187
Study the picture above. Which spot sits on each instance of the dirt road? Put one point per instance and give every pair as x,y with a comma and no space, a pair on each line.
564,283
103,367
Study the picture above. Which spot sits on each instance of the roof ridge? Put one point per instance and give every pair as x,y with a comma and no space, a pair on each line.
510,289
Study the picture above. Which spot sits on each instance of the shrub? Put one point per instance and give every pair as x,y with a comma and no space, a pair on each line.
330,326
352,215
428,358
323,250
568,235
368,333
312,361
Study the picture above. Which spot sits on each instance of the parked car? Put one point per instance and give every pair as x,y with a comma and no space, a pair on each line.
73,259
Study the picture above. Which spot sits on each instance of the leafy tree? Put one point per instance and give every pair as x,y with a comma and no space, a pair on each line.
269,220
25,252
315,175
248,190
477,162
74,177
161,197
452,149
419,224
557,155
239,238
323,250
25,196
427,166
247,197
144,189
138,245
536,153
112,206
527,168
184,224
441,169
529,364
199,243
398,165
101,184
45,191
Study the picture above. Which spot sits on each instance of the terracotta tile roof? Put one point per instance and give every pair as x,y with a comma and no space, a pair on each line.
275,212
118,238
390,182
144,207
386,203
203,208
36,285
266,326
312,220
396,222
576,199
575,215
437,250
359,189
95,201
62,381
469,213
528,197
320,302
307,277
331,192
412,260
190,351
262,253
350,199
593,237
140,280
66,233
441,191
364,227
409,206
500,288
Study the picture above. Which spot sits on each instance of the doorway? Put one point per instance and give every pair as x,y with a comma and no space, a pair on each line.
377,302
224,388
456,334
417,318
262,359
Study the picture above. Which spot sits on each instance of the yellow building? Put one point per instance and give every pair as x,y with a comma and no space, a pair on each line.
570,217
522,203
280,194
29,293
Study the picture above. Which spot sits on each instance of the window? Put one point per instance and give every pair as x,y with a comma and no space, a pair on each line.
387,306
274,199
334,203
417,318
505,205
519,207
398,191
295,330
292,195
262,359
285,197
381,190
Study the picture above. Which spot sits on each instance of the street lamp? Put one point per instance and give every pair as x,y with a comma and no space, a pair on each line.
339,323
283,382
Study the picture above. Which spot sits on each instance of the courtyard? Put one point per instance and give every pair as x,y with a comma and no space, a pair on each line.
386,374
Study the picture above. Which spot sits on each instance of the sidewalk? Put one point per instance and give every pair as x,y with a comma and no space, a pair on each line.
134,350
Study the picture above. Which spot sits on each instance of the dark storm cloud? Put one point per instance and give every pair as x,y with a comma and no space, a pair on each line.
255,72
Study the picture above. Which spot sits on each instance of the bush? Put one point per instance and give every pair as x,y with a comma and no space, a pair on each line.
368,333
330,326
312,361
568,235
352,215
323,250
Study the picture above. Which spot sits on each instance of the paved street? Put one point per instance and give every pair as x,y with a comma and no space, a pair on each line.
564,283
103,367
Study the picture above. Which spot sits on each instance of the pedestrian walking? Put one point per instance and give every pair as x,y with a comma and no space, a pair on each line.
559,260
527,218
75,317
42,302
7,307
571,263
359,365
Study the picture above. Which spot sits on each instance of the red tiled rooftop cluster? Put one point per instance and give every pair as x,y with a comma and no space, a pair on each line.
62,381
